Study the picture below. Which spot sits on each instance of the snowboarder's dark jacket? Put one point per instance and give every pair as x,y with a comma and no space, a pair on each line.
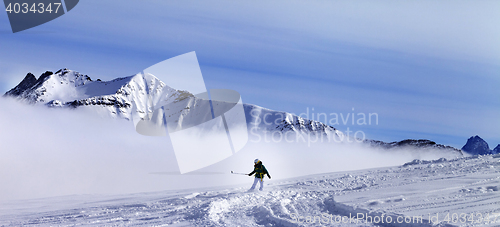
259,170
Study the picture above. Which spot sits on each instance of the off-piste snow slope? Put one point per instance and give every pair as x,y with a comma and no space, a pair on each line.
458,192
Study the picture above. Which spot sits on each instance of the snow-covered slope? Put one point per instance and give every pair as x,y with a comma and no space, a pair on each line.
459,192
117,162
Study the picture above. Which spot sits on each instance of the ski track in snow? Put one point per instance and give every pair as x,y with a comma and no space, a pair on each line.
465,185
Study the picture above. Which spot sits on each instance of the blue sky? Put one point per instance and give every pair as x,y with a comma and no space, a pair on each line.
428,69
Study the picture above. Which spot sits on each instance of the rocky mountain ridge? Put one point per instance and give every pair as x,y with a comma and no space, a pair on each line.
477,146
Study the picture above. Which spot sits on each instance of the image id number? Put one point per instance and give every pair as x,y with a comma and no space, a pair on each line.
33,8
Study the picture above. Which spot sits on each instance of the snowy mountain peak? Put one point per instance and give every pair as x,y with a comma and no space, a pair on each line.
476,146
138,95
262,119
49,86
73,77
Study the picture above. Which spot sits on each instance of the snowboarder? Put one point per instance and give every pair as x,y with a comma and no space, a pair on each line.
259,170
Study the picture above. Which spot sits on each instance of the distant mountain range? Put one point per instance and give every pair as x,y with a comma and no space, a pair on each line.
421,143
122,97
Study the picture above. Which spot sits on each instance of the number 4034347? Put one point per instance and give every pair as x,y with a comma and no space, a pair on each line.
33,8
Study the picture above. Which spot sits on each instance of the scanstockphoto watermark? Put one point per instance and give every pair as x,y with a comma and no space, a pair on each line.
306,137
379,219
358,218
334,119
310,126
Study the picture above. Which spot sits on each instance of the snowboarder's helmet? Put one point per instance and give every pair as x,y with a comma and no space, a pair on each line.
256,161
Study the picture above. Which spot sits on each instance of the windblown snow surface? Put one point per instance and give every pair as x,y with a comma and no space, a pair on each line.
65,167
458,192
